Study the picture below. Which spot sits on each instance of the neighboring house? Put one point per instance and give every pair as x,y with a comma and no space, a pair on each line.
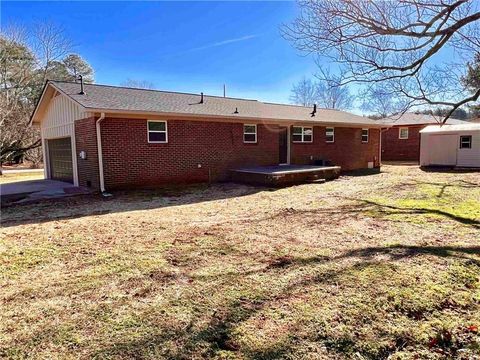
450,145
401,142
114,137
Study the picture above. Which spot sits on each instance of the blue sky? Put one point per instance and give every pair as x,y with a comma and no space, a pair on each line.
180,46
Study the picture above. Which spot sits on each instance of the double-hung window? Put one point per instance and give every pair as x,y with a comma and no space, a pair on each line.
330,134
157,131
302,134
249,133
466,142
364,135
403,133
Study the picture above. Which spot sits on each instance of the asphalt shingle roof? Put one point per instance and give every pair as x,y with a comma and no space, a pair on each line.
410,118
105,97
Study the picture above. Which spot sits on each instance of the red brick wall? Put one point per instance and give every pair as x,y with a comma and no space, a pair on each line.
129,160
347,151
395,149
86,140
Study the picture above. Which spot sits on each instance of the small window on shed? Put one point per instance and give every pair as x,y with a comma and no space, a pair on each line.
249,133
330,134
466,142
364,135
157,131
403,133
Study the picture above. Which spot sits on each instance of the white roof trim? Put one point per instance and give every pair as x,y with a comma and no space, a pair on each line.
451,128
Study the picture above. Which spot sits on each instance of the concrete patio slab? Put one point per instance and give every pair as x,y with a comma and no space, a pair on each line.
33,190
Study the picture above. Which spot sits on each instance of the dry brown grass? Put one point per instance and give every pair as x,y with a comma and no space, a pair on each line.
27,175
378,266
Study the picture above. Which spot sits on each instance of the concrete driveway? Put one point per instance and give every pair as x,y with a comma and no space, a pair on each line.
31,190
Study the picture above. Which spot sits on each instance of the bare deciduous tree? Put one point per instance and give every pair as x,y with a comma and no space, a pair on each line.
17,79
50,45
27,60
415,49
380,103
327,92
332,93
304,93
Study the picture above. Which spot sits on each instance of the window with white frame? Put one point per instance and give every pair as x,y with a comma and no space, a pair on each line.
403,133
364,135
330,134
249,133
466,142
157,131
302,134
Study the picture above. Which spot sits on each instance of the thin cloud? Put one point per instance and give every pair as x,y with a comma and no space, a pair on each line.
224,42
213,45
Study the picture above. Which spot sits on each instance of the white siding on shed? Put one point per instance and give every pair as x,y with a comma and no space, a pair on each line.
441,145
470,157
59,122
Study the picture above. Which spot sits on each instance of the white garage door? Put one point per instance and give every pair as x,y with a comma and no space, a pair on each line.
443,150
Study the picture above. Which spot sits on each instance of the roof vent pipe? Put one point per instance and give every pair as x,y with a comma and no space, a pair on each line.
236,111
80,77
201,98
314,110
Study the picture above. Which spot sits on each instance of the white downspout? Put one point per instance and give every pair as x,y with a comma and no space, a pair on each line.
99,151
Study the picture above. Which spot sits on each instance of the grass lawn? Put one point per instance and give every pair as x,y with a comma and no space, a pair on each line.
364,267
9,178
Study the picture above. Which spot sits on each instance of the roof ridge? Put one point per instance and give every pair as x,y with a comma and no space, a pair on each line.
301,106
154,90
399,116
198,94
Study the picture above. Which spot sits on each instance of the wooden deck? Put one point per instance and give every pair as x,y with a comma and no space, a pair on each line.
283,175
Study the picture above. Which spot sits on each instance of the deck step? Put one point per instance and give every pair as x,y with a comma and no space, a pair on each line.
285,175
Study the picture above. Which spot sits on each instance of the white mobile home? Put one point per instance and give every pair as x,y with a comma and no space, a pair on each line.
450,145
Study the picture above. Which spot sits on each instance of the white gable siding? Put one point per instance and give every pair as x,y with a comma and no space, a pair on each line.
59,122
60,117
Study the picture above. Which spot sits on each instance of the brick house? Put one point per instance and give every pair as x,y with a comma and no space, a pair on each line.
401,141
114,137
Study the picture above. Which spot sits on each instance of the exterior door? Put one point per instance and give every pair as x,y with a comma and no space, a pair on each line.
283,145
60,159
443,150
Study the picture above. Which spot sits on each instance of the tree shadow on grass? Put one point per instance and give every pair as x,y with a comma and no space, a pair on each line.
399,252
462,184
360,207
393,209
441,185
122,201
205,339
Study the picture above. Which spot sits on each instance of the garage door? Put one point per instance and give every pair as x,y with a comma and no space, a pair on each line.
60,159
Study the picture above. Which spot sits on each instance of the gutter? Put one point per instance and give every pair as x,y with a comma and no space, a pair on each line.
99,151
237,118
